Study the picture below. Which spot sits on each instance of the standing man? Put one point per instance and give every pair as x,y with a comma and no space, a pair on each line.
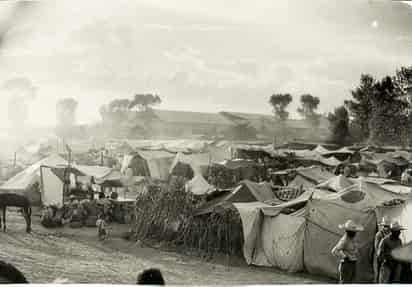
347,251
390,269
384,230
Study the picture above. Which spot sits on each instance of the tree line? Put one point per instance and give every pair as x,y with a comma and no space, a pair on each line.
378,112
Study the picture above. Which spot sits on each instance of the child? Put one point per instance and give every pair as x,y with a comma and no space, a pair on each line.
101,227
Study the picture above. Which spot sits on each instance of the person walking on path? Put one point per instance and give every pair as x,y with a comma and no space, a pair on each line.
101,227
347,251
390,269
384,230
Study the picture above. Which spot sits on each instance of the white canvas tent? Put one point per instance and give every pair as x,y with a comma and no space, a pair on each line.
198,162
23,180
198,185
52,187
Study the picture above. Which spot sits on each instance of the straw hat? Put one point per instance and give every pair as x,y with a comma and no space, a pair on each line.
384,222
351,226
395,226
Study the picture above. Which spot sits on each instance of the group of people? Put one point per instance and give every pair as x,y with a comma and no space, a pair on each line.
387,269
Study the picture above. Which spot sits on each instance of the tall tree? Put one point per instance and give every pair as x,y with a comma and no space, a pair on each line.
144,102
66,112
339,125
360,107
279,103
308,109
20,93
389,117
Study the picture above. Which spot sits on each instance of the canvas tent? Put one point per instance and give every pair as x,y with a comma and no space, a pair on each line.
321,150
24,182
52,186
364,195
155,164
336,183
30,175
199,162
246,191
322,234
198,185
357,202
273,238
315,174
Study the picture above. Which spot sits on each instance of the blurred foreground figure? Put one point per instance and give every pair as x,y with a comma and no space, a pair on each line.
150,277
10,274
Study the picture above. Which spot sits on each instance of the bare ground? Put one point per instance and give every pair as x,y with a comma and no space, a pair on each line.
77,255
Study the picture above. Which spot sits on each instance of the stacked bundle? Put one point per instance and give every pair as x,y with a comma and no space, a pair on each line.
163,210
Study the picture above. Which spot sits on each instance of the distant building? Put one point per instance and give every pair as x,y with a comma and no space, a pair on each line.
185,124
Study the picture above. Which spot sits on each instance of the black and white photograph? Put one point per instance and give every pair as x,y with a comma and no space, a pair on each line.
218,142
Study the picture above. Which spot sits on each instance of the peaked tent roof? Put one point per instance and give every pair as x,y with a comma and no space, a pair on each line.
198,185
315,173
364,195
321,150
246,191
30,175
196,161
336,183
97,172
331,161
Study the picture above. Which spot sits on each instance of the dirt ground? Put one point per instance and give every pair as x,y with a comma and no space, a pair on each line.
77,256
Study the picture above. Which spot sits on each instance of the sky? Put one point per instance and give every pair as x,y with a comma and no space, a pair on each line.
205,56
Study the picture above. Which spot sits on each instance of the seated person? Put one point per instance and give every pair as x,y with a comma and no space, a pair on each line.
150,276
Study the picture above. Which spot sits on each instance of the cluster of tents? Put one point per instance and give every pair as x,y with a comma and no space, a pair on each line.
292,227
298,234
44,181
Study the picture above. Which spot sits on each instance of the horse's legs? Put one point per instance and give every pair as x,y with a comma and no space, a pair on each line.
0,221
4,218
26,214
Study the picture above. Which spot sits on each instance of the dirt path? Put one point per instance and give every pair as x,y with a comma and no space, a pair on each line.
77,256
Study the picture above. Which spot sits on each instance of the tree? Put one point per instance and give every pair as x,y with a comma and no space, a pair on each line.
20,92
279,103
144,102
339,125
66,112
389,117
360,108
309,107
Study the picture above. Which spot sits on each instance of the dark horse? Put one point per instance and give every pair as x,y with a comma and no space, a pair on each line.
16,200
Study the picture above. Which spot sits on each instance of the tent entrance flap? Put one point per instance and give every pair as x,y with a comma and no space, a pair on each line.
51,187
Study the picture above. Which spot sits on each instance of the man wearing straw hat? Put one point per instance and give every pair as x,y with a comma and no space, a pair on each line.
384,231
347,251
390,269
